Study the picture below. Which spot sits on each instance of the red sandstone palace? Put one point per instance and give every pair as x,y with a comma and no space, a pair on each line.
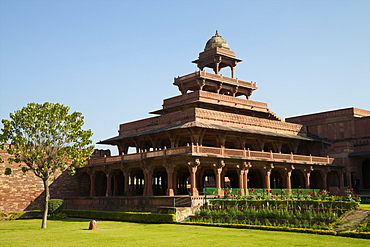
213,135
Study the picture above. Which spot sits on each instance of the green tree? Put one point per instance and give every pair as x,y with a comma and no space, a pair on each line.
45,138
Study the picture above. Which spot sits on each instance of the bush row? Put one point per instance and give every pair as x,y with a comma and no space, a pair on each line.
284,203
365,235
121,216
25,214
260,227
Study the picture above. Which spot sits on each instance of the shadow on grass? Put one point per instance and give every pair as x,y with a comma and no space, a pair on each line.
72,220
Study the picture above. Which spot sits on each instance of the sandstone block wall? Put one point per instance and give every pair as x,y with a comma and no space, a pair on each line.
20,191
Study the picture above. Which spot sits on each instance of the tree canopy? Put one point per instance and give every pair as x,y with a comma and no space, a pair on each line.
44,138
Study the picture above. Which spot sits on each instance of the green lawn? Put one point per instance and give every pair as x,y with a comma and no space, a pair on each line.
365,206
73,232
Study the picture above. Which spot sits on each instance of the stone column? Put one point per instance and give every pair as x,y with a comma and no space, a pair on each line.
169,169
193,167
307,174
109,184
268,170
325,180
241,178
289,170
148,183
247,166
126,188
341,179
92,182
218,170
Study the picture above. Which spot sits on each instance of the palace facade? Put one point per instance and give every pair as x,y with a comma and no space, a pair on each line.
212,135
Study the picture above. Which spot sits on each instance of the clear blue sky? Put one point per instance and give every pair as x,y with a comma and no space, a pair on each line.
115,60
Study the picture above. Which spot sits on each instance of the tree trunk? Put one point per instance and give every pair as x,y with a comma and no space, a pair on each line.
46,203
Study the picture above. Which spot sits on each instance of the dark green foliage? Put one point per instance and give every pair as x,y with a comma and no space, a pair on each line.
3,214
122,216
56,206
261,227
25,214
355,234
287,203
365,225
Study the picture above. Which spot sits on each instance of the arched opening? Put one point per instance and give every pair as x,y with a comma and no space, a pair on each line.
366,174
255,179
159,181
333,179
85,184
182,186
100,181
208,178
316,180
276,180
297,179
231,179
136,182
117,183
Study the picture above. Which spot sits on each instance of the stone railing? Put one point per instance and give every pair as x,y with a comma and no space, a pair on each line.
222,152
211,76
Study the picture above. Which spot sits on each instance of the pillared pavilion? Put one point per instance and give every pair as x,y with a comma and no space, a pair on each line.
212,135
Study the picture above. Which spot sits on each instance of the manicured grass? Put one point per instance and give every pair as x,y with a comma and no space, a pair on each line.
365,206
73,232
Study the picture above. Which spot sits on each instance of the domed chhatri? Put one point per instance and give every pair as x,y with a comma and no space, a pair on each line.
216,41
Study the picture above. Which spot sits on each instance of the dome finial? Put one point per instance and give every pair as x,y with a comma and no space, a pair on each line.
216,41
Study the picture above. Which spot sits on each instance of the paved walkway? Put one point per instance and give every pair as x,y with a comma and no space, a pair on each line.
351,221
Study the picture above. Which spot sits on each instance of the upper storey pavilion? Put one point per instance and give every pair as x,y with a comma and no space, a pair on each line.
212,135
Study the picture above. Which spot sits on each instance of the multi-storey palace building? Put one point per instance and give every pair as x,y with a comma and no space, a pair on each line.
212,135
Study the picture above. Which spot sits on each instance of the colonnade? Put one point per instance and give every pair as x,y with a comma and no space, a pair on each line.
190,178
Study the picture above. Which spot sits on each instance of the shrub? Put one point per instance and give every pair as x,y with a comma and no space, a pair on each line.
355,234
286,203
56,206
25,214
3,215
122,216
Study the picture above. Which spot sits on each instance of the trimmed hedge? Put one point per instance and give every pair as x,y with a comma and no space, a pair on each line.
56,206
283,203
25,214
259,227
355,234
3,214
122,216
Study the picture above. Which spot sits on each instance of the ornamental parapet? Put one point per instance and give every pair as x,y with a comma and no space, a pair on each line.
214,77
195,150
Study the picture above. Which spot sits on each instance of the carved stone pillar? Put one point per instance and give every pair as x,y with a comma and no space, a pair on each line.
268,170
148,183
107,172
126,187
241,177
307,173
193,167
91,172
218,171
170,170
289,170
341,178
325,178
247,166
